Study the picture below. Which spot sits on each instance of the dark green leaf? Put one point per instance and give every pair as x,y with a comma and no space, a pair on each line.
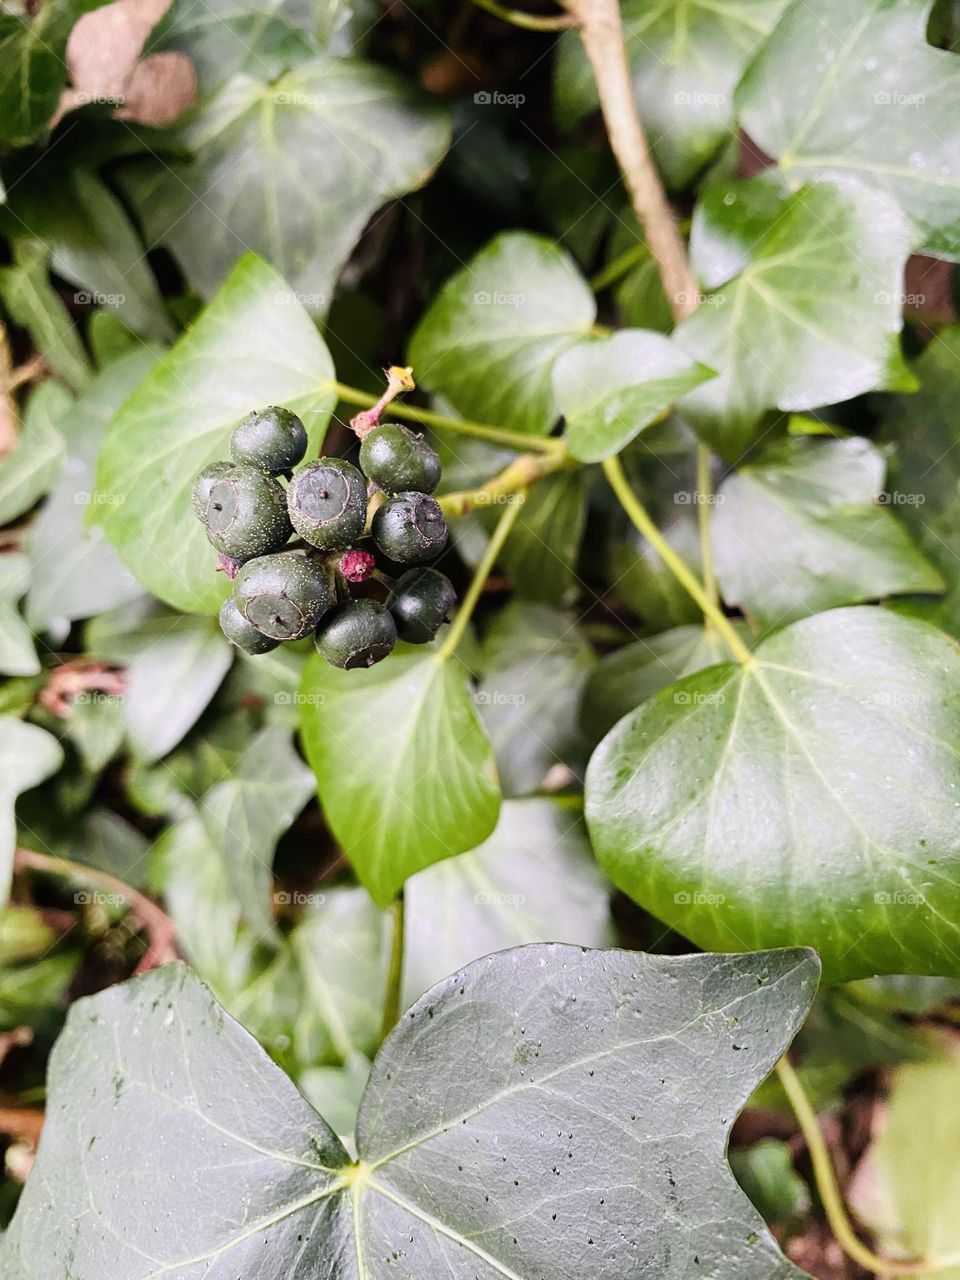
34,304
805,303
33,68
29,470
807,797
451,1176
798,530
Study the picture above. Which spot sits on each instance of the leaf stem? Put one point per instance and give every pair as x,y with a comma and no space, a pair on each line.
829,1191
500,534
528,21
688,580
391,1002
519,474
463,426
160,930
704,503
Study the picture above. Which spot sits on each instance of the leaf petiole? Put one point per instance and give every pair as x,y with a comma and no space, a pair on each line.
391,1002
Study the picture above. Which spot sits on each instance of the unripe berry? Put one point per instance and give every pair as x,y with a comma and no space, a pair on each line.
272,439
397,459
284,596
242,633
244,511
327,501
357,633
410,528
420,603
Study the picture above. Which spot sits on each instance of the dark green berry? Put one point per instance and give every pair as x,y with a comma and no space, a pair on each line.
328,504
244,511
397,459
410,528
242,633
272,439
420,603
284,596
357,633
208,477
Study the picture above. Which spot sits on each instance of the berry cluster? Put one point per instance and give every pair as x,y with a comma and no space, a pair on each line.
283,592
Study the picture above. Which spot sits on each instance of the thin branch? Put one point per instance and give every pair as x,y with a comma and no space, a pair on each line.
528,21
391,1003
480,575
519,474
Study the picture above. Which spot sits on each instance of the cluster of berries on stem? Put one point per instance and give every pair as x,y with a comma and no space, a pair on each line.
348,522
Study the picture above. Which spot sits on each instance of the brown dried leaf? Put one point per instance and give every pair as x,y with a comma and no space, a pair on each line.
161,87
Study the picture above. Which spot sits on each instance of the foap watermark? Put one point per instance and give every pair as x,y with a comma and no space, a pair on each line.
86,498
898,698
492,898
894,98
494,98
97,898
884,298
686,297
697,98
498,299
899,898
93,297
895,498
698,898
295,898
291,297
498,698
693,698
694,498
97,698
298,699
297,99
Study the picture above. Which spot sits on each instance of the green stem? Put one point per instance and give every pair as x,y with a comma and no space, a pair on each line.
528,21
463,426
500,534
687,579
519,474
830,1195
391,1002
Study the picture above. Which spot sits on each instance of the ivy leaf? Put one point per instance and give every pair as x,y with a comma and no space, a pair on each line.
323,147
28,756
610,389
533,880
924,474
33,68
797,530
536,662
811,315
174,665
489,341
33,303
873,104
806,796
449,1178
541,553
404,769
623,679
29,470
685,61
76,573
253,345
247,813
18,657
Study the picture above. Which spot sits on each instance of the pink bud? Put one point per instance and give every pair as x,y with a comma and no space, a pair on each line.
357,566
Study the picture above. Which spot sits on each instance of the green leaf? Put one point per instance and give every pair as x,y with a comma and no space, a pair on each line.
451,1178
685,61
534,880
92,244
96,727
875,103
541,553
535,665
75,572
29,470
905,1188
622,680
322,147
765,1171
246,814
924,484
798,530
405,771
29,991
910,993
23,935
610,389
805,308
174,665
253,345
18,657
807,797
34,304
489,341
33,69
28,756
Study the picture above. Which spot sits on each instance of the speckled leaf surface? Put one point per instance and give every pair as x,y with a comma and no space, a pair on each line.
587,1139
